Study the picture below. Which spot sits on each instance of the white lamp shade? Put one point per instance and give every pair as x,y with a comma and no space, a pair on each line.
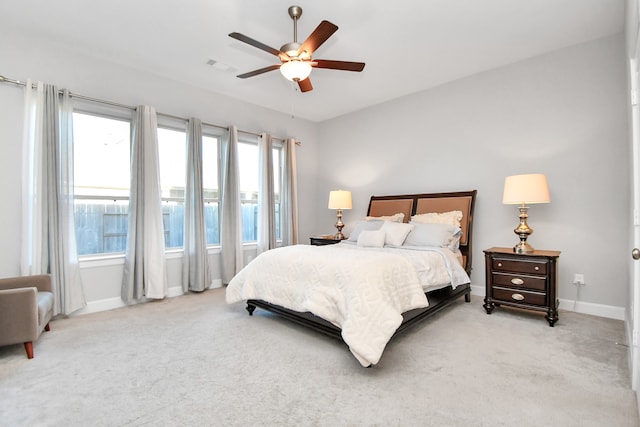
340,199
526,189
295,70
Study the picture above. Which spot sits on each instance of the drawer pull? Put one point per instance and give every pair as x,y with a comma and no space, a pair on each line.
536,268
517,281
517,297
499,264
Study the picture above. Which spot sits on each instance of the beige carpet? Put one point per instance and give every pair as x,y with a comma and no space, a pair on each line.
193,360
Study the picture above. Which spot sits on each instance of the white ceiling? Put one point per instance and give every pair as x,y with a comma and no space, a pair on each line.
408,45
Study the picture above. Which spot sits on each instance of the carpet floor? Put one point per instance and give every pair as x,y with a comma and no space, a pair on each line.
194,360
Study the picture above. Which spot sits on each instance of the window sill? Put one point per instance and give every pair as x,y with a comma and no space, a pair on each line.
94,261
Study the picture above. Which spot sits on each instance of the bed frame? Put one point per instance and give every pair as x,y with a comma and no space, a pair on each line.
409,204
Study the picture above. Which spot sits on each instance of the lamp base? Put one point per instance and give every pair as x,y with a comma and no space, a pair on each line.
523,231
339,226
523,248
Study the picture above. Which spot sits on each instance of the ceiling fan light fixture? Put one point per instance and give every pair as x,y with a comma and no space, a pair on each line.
295,70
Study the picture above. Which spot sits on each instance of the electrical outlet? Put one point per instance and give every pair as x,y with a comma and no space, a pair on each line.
578,279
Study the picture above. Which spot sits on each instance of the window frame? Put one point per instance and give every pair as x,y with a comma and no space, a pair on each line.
111,112
218,134
115,112
165,123
277,146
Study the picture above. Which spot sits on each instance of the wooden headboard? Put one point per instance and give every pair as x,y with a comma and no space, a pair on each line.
413,204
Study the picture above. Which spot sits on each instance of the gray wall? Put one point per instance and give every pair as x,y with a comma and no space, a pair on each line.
562,114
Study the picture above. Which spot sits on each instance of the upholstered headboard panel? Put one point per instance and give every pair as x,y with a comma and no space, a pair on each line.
391,207
413,204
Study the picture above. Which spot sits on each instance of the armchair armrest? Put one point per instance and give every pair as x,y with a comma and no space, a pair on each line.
19,320
41,281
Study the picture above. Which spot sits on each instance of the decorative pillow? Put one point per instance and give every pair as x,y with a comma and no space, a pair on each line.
371,238
362,226
395,232
452,217
399,217
438,235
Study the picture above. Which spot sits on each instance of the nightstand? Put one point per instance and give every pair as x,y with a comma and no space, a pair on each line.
324,240
526,281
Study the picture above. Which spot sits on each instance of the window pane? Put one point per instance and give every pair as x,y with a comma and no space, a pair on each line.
172,162
101,226
210,188
101,183
101,156
248,159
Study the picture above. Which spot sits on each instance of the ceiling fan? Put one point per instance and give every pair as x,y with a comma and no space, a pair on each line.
296,61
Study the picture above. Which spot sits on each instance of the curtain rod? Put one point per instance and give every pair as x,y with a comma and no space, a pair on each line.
115,104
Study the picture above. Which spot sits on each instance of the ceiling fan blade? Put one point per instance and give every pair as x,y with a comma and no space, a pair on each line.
338,65
319,36
259,45
259,71
305,85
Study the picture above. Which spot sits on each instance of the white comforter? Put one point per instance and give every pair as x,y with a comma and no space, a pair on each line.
364,291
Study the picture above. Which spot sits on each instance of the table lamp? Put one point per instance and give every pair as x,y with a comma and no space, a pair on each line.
339,199
525,190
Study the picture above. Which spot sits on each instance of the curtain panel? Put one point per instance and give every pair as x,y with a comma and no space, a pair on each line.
195,264
231,256
289,195
144,267
48,230
266,203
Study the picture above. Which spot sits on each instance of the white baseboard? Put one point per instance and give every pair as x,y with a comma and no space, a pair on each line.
116,302
601,310
608,311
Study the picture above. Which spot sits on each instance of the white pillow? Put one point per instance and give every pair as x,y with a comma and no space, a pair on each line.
362,226
453,218
395,232
371,238
438,235
399,217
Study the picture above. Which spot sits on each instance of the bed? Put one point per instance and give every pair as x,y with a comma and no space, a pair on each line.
334,289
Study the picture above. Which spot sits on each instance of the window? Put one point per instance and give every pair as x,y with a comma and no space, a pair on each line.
102,142
249,184
248,163
210,171
172,150
277,175
101,183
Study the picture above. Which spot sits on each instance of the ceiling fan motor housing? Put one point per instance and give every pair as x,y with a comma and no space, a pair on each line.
291,49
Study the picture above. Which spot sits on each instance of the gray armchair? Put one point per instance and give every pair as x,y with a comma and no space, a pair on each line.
26,306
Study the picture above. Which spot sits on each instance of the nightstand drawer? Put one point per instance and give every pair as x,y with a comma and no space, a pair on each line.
519,296
519,266
519,281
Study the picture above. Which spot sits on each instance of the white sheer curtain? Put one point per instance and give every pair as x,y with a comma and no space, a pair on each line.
49,243
195,264
231,209
289,195
144,268
266,208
